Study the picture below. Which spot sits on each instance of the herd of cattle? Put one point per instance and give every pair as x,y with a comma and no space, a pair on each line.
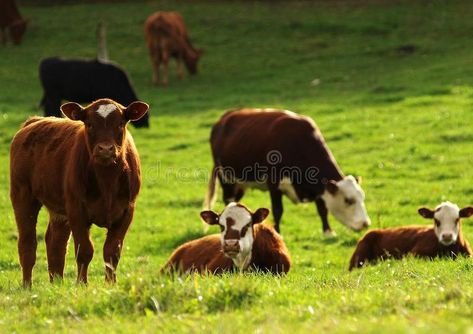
85,169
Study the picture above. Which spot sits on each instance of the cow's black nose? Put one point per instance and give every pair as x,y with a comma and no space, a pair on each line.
103,148
447,237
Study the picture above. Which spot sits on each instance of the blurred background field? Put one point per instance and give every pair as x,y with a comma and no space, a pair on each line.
390,84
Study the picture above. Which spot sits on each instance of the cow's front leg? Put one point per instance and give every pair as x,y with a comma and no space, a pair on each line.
84,249
114,243
276,205
323,213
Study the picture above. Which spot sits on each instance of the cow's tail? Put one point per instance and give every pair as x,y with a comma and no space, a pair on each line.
211,196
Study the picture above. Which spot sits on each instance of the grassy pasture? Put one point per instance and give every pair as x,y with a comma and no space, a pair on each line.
394,102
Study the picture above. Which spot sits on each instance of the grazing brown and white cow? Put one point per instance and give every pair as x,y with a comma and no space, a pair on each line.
85,170
244,243
285,153
166,37
11,18
445,238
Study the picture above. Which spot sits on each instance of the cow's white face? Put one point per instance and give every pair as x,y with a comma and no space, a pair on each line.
237,235
446,218
346,201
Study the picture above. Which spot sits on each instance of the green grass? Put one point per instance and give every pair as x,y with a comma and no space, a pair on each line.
399,119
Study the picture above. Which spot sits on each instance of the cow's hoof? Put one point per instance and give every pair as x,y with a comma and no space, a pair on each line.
330,234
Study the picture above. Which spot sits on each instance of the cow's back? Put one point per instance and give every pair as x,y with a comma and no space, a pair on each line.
269,250
200,255
39,154
246,136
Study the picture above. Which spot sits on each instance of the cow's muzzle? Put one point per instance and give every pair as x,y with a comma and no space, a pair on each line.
231,248
105,154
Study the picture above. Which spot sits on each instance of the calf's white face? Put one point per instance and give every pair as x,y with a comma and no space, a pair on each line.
236,225
446,218
346,201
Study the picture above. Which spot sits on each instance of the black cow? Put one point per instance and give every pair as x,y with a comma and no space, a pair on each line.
84,80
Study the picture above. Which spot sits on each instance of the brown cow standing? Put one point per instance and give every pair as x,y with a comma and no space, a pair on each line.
85,170
166,36
445,238
11,18
285,153
243,244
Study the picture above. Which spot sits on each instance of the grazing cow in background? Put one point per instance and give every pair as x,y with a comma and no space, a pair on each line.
84,81
166,37
444,238
244,243
84,173
11,18
284,153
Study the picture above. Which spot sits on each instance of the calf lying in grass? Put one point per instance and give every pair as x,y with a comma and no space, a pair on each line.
243,244
445,238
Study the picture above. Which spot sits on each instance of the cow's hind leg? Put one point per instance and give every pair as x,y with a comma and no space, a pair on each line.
57,236
26,209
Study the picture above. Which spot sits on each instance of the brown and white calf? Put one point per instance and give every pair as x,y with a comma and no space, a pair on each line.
444,238
166,36
85,170
244,243
286,154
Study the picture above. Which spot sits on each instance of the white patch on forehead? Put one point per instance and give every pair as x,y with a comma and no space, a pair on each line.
105,109
239,214
447,214
350,187
347,204
447,211
286,187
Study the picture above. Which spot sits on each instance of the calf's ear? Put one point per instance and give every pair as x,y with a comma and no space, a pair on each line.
209,217
260,215
73,111
136,110
466,212
358,179
426,212
332,187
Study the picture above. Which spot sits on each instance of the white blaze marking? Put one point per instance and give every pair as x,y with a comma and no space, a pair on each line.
352,215
105,109
241,217
447,214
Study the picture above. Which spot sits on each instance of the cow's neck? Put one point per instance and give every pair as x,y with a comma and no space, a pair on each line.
108,183
242,260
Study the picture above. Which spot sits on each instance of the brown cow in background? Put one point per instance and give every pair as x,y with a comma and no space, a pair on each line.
166,36
11,18
85,170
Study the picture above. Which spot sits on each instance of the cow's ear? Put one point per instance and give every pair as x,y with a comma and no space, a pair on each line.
358,179
426,212
136,110
209,217
260,215
466,212
73,111
332,187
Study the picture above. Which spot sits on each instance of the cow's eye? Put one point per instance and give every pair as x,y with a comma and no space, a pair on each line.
437,222
349,201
